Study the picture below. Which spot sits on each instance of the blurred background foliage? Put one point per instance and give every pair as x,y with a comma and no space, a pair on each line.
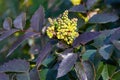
53,8
14,7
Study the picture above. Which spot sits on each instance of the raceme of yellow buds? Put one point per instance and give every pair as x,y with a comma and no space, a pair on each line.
63,28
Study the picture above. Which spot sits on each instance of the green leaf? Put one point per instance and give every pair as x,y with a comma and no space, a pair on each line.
99,70
106,51
49,59
105,73
118,62
111,69
51,75
108,71
103,18
87,54
43,74
116,76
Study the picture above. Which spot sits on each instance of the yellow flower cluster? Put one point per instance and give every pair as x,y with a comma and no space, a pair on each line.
76,2
63,28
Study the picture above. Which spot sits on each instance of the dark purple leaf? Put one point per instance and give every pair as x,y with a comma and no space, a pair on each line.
6,34
116,44
20,40
67,51
78,8
2,31
37,20
23,76
89,70
103,38
115,35
62,45
106,51
85,70
85,38
7,24
113,3
90,3
20,21
16,65
44,52
103,18
66,64
34,75
80,71
3,76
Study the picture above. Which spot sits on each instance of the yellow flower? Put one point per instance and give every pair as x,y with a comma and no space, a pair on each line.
50,31
76,2
63,28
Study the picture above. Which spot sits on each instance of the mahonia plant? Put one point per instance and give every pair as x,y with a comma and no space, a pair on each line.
63,28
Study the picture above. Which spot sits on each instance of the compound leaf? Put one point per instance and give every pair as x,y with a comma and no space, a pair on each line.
85,70
20,21
44,52
7,24
88,54
66,64
20,40
85,38
3,76
103,18
37,19
78,8
105,74
116,44
6,34
23,76
116,75
115,35
106,51
90,3
34,74
16,65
